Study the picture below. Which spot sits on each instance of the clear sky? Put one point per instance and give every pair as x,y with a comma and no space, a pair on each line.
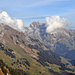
37,10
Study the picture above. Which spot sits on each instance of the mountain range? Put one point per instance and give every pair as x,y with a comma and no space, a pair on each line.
60,41
37,52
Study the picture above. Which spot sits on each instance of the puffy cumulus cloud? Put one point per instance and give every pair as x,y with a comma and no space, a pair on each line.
55,22
14,23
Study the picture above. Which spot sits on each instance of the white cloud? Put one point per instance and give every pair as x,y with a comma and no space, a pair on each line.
55,22
14,23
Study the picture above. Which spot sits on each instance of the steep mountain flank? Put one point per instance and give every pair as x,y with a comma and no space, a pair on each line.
25,54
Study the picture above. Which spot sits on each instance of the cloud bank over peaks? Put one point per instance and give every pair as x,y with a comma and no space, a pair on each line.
55,22
14,23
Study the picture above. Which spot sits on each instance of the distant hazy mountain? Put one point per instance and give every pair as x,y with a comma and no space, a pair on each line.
60,41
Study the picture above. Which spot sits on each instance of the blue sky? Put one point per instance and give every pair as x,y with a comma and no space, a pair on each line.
37,10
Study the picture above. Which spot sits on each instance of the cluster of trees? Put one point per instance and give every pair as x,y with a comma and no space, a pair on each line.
11,71
21,61
7,51
62,73
2,67
46,56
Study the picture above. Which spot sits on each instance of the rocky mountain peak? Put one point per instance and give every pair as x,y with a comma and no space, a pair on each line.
34,24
